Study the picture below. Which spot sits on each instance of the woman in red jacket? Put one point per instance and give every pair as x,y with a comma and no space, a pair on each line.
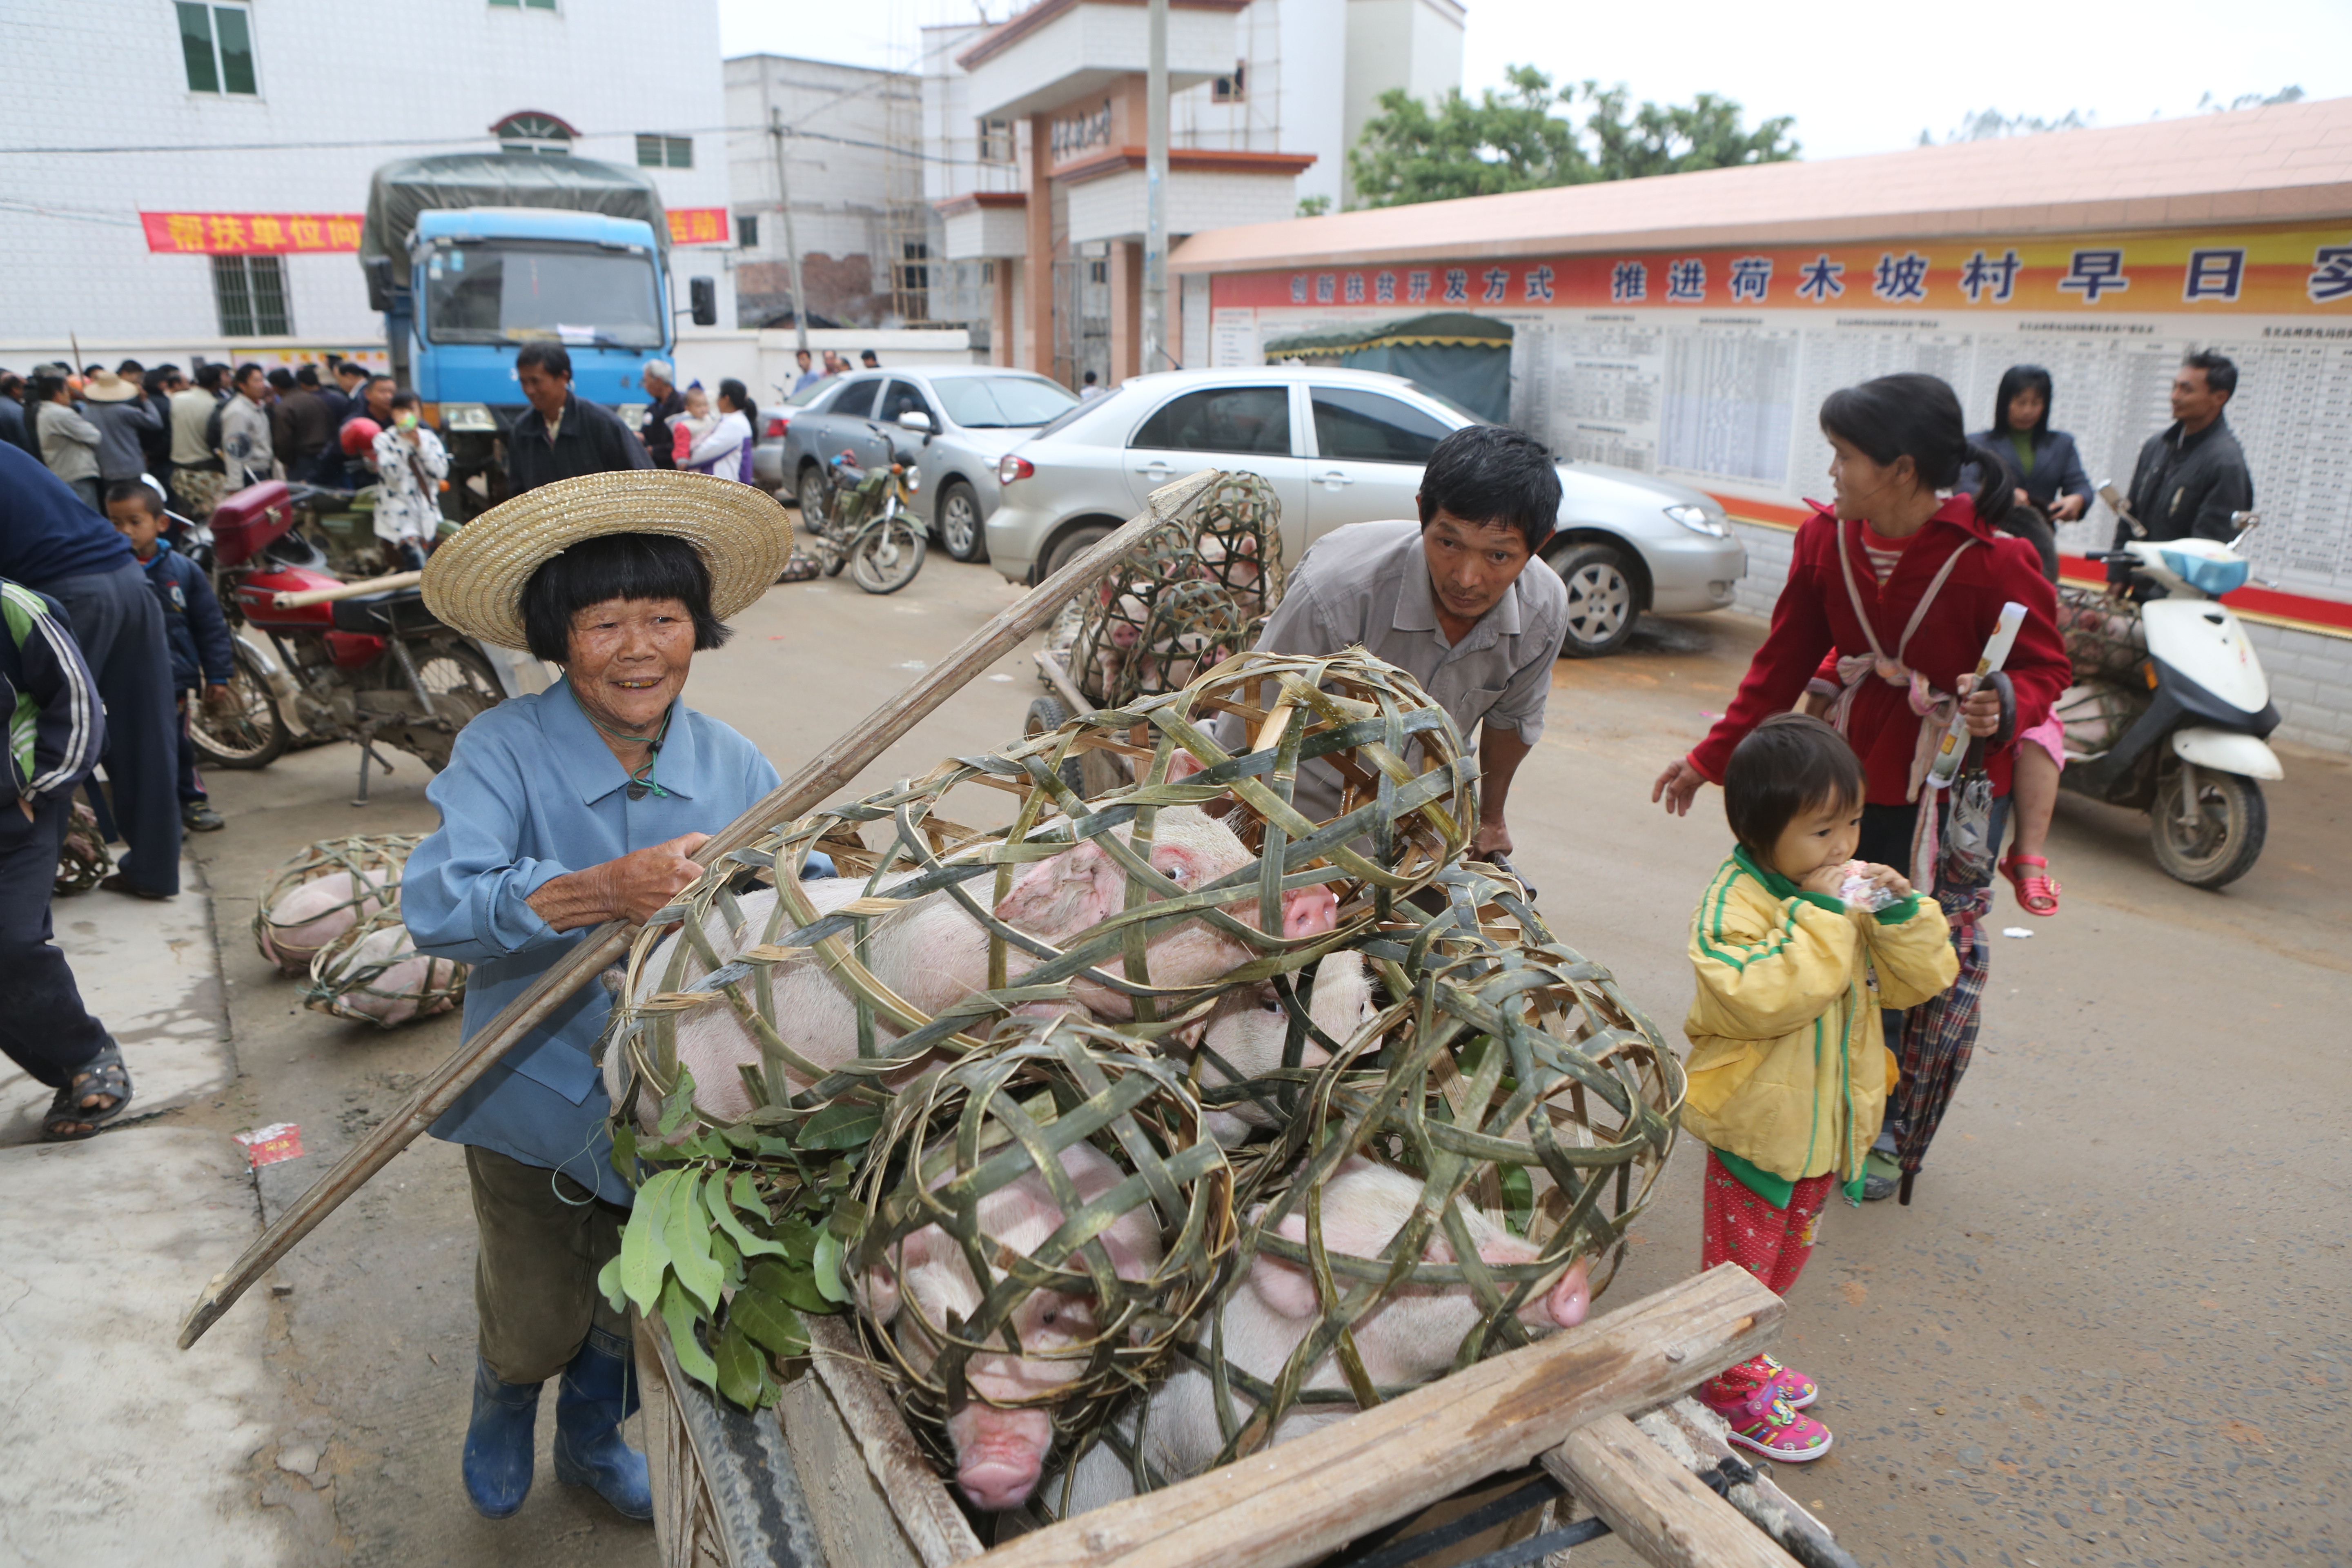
1902,582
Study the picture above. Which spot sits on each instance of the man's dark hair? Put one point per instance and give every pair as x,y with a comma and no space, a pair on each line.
373,379
92,368
869,358
615,566
135,489
246,369
1792,763
1494,474
353,365
281,378
209,373
306,375
2221,370
552,358
130,369
12,384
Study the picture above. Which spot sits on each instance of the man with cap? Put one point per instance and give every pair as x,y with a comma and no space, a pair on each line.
668,403
561,810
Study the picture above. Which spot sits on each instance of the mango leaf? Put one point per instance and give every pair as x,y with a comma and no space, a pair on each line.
729,1261
608,1284
687,1229
826,1267
741,1366
677,1104
797,1238
841,1127
795,1285
768,1321
1518,1198
715,1199
745,1195
625,1150
645,1251
680,1313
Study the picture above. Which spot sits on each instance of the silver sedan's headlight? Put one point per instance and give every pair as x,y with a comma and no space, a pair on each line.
1700,520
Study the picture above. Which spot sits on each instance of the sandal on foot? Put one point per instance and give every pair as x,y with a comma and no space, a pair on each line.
1761,1420
69,1119
2037,894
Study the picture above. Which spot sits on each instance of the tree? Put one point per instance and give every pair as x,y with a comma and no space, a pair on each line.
1516,140
1989,125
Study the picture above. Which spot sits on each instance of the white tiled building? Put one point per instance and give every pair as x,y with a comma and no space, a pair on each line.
288,106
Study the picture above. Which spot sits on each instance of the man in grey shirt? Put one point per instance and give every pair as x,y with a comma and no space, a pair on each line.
1450,599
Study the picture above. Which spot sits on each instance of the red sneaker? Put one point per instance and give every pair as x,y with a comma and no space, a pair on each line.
1762,1419
1795,1387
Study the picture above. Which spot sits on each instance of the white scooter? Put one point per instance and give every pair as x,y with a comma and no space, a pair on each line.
2169,713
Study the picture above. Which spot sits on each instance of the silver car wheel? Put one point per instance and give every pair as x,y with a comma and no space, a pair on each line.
960,528
1601,608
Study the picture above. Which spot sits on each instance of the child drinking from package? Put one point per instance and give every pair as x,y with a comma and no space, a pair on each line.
1797,947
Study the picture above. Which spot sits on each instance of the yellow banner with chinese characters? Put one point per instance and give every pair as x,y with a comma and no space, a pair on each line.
249,234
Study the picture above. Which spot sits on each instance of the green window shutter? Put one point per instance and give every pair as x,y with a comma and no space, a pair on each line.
235,30
229,293
266,278
197,46
649,151
681,152
540,4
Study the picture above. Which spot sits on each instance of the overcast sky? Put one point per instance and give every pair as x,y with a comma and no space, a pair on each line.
1857,79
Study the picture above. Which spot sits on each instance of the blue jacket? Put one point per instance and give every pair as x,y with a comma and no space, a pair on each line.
2057,465
46,533
531,793
56,726
193,622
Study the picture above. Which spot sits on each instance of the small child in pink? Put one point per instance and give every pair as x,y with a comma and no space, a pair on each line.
686,429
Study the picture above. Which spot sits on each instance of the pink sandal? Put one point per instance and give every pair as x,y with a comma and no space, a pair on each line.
2036,893
1762,1419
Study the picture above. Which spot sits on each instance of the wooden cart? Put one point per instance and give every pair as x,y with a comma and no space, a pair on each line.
831,1477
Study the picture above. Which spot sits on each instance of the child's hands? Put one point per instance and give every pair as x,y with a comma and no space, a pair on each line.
1825,880
1889,880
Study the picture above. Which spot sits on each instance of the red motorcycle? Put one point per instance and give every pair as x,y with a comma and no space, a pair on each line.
378,667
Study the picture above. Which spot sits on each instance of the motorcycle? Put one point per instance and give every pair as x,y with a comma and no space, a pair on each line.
378,667
2169,710
867,522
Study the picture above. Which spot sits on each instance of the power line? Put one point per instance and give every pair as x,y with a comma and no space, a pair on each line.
790,130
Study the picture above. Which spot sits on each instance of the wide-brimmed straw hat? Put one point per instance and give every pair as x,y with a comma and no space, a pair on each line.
108,387
475,580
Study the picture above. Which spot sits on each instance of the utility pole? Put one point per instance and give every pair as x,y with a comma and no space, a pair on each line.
1155,195
791,250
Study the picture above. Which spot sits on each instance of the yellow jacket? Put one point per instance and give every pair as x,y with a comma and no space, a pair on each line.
1789,1067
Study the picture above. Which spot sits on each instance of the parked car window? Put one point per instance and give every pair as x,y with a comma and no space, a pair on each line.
854,398
816,391
1000,402
904,397
1371,427
1252,420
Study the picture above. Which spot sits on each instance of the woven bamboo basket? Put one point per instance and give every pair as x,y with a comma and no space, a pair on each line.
373,863
83,862
373,973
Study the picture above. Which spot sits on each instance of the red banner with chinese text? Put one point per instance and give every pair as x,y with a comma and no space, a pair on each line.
249,234
698,226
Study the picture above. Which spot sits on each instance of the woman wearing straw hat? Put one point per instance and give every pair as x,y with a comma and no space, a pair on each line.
560,811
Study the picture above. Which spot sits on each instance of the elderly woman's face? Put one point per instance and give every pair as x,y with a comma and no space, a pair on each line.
629,659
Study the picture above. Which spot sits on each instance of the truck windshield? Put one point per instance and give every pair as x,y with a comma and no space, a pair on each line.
583,295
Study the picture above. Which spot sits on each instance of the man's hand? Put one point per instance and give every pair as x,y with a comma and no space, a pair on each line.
1493,838
2021,496
633,887
1676,785
219,697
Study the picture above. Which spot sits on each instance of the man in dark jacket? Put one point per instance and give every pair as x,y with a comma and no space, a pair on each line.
668,403
558,437
2192,475
55,545
201,653
302,426
13,428
56,730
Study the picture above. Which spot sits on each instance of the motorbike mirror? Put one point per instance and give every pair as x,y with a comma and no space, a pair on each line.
2117,504
2245,522
914,419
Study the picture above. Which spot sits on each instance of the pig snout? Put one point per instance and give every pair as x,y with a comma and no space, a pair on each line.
1000,1454
1310,911
1568,1301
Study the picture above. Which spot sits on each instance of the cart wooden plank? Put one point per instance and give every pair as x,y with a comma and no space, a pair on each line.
940,1534
726,1490
1654,1505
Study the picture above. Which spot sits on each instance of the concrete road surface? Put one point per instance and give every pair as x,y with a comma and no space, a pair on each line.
2111,1327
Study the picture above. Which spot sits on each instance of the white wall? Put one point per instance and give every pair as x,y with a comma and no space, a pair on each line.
430,76
1413,44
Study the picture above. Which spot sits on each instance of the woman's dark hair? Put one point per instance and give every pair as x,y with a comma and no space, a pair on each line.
552,358
2016,379
1918,417
1493,474
615,566
1789,763
736,393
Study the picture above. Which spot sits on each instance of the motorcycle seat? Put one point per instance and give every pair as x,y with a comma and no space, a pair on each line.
378,613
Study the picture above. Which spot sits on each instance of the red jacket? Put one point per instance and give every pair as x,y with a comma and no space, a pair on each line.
1815,617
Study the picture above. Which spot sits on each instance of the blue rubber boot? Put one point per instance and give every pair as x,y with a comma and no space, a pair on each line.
596,1395
498,1443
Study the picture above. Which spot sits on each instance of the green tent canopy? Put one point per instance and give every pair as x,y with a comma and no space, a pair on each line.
1467,358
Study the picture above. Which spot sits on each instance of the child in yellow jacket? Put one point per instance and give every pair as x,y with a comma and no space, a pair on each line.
1797,947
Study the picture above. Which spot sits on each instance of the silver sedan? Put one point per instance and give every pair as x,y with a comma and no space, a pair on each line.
1342,447
952,422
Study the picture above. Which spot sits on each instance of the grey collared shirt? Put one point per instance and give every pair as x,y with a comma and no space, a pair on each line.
1368,584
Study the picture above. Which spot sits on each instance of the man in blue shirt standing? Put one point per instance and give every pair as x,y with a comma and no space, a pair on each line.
55,545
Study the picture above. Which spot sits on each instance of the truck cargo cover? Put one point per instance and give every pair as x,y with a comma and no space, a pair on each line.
400,191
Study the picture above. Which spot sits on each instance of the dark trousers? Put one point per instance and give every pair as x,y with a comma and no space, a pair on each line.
115,618
192,782
44,1028
543,1237
89,491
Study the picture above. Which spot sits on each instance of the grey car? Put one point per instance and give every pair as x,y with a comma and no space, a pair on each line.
1342,447
964,417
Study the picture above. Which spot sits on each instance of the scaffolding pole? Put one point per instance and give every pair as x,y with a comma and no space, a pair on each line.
1155,194
792,250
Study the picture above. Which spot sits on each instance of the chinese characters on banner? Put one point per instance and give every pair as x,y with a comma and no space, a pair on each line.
698,226
249,234
2273,273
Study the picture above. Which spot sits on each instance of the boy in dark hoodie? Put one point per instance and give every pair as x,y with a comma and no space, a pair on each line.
192,625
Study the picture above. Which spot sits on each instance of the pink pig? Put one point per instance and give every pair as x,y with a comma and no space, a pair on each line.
391,996
1409,1339
931,954
1001,1452
1249,1025
311,918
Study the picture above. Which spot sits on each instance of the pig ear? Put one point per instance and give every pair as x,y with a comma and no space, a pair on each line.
1075,890
878,1293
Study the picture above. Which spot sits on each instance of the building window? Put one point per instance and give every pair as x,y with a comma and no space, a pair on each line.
250,291
218,43
529,131
747,231
534,4
988,270
914,269
1098,271
665,151
1232,88
996,140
